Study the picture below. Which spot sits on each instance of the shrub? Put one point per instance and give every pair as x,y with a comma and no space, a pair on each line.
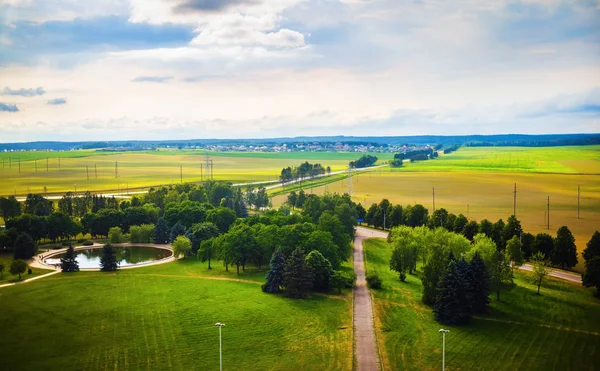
373,281
115,235
81,240
88,243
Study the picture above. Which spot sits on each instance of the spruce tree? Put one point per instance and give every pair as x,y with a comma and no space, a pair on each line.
565,251
452,305
108,261
322,270
479,285
161,232
275,273
68,262
298,276
177,230
591,255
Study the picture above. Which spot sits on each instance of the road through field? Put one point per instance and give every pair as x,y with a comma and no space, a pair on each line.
567,276
365,348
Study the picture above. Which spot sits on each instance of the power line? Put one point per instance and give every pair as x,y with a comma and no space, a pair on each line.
433,195
515,201
578,199
548,212
87,172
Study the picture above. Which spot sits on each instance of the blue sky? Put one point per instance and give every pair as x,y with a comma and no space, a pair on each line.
174,69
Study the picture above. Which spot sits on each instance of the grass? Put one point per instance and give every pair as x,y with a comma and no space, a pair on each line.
558,330
7,259
139,170
163,317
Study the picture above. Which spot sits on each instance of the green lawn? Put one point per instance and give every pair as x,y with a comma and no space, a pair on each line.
559,330
162,317
7,259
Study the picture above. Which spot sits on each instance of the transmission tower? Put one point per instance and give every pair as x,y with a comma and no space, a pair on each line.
350,181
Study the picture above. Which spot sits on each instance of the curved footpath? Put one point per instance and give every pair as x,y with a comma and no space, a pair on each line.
365,347
567,276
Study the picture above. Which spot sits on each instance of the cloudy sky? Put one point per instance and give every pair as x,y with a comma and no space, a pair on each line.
174,69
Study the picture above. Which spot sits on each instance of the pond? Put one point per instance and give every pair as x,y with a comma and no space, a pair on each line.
126,256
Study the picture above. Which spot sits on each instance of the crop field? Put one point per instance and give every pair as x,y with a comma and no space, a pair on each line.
137,170
163,317
559,330
485,194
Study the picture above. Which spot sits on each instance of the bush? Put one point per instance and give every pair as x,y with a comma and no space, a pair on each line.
88,243
81,240
115,235
373,281
350,279
141,233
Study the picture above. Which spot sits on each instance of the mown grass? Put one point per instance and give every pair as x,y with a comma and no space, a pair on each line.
162,317
559,330
7,259
138,170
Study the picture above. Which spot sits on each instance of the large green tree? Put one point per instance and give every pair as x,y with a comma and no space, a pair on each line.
108,260
161,232
18,267
565,251
322,270
453,305
500,273
275,274
514,252
540,270
181,246
68,263
478,285
298,276
24,247
591,256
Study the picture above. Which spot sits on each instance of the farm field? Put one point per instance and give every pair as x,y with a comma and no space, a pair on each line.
138,170
559,330
163,317
485,194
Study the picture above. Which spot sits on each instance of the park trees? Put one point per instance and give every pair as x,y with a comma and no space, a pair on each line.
540,270
322,270
141,233
202,232
24,247
222,217
514,252
161,232
470,230
543,243
298,275
591,256
37,205
292,199
565,251
68,262
181,246
9,207
452,304
511,229
415,215
500,273
115,235
322,242
18,267
478,284
207,251
108,260
275,280
177,230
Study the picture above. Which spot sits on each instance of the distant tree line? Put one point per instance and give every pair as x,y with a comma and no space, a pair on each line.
305,170
364,161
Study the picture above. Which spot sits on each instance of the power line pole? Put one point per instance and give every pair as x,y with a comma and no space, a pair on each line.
515,201
116,169
59,164
578,199
87,172
180,174
548,213
95,171
212,169
200,173
46,164
19,164
349,181
433,195
35,161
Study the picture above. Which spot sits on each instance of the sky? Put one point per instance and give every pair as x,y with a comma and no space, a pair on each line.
75,70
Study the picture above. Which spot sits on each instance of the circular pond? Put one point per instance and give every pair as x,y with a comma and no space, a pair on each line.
89,258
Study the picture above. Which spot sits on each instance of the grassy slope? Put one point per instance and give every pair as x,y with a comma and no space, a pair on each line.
144,169
7,259
165,315
558,330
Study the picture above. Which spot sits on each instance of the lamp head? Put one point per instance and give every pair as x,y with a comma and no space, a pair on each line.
219,324
445,331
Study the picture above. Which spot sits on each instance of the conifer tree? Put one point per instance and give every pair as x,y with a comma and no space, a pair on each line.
322,270
591,255
452,305
275,273
479,285
161,232
177,230
298,276
565,251
108,261
68,262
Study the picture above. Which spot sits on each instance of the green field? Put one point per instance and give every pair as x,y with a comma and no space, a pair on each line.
162,317
559,330
137,170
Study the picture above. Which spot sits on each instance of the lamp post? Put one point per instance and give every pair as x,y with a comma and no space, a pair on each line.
220,325
444,347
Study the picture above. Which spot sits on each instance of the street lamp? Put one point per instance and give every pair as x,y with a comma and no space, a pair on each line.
220,325
444,347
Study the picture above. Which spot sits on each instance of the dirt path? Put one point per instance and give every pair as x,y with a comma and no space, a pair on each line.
365,347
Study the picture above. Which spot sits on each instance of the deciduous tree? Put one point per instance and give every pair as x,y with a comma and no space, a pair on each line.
18,267
24,247
181,246
540,270
591,255
322,270
565,251
298,276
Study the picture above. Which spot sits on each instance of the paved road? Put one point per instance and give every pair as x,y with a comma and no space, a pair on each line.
567,276
364,330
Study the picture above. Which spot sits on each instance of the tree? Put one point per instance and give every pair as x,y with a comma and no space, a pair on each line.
275,274
24,247
416,215
301,199
459,223
181,246
115,235
292,199
452,305
486,227
565,251
361,212
202,232
514,253
9,207
322,242
479,284
18,267
402,260
1,269
543,243
322,270
373,281
37,205
591,256
177,230
141,233
497,231
527,239
68,262
297,276
470,230
540,270
512,229
500,273
207,251
161,232
222,217
108,260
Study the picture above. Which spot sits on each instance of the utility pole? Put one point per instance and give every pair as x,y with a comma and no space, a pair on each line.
95,171
59,164
87,172
433,194
548,214
19,164
515,201
578,199
212,169
9,163
180,174
116,169
46,164
200,173
349,181
35,161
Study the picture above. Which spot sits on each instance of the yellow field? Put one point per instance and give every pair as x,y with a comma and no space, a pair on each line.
480,195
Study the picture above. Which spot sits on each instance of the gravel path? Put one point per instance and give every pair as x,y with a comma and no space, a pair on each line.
365,347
